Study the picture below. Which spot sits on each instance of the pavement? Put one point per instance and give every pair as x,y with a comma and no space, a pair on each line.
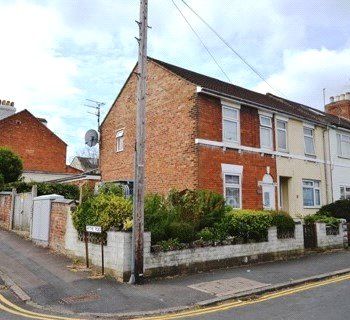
50,283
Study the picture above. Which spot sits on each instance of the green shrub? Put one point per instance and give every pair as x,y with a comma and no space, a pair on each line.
182,231
1,181
66,190
323,218
206,235
112,188
11,165
338,209
283,221
106,210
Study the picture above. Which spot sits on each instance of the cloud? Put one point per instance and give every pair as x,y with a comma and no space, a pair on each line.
306,73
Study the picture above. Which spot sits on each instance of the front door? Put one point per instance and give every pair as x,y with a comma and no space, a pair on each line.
268,192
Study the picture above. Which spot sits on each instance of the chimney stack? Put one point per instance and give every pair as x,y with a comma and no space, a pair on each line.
7,108
339,105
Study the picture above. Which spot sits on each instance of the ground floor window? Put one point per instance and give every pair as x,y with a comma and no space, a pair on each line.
233,190
344,192
311,193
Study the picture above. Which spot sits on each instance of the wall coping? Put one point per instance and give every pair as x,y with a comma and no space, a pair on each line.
66,201
5,193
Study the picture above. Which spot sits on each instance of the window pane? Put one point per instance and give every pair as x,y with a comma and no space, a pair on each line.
231,179
342,193
282,139
345,148
266,121
267,202
308,197
317,197
317,184
309,145
308,183
345,138
308,131
281,124
230,130
232,197
230,113
266,137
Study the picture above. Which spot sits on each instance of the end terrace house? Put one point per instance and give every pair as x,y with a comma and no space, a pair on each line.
259,151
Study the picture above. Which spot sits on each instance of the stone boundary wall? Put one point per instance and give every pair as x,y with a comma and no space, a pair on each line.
6,207
332,241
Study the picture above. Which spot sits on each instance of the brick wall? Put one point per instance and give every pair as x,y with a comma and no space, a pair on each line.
339,108
210,158
58,224
5,210
39,148
171,125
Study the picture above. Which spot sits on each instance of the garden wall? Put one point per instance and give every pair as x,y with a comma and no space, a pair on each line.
333,237
6,206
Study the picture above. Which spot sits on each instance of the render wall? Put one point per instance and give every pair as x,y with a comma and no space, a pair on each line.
6,199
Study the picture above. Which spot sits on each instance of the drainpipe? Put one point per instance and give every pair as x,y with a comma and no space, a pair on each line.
330,165
325,164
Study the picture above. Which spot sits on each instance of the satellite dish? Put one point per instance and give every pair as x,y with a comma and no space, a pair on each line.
91,138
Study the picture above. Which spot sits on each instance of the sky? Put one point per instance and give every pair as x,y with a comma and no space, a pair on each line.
54,54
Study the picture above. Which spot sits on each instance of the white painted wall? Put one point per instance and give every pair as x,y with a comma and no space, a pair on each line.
340,167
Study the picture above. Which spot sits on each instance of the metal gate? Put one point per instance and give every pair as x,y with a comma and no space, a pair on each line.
348,229
23,211
310,236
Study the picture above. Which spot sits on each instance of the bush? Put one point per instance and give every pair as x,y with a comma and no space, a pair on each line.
182,231
1,181
283,221
105,210
111,188
206,235
323,218
66,190
11,165
339,209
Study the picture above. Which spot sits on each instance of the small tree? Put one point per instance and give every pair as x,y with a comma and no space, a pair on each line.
11,165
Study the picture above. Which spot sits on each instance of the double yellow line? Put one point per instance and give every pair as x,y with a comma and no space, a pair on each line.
236,304
9,307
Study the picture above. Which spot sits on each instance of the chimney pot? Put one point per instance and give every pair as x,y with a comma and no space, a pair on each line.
331,99
347,96
342,96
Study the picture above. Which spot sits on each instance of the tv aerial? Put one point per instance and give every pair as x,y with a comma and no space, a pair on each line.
91,138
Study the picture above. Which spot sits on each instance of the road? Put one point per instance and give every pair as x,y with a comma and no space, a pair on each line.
324,300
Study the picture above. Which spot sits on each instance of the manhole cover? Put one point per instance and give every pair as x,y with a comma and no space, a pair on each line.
225,287
82,298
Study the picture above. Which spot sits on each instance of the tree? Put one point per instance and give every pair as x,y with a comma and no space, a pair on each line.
11,165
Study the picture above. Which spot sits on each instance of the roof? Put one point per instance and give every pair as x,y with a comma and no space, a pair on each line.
88,164
25,111
268,101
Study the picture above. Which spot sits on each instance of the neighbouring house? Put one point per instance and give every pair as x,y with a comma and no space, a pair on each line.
259,150
85,164
43,153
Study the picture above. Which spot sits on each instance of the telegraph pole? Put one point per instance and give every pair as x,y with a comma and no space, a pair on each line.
138,213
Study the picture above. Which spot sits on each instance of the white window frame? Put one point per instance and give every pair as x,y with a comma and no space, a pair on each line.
346,193
309,136
314,188
233,185
119,140
340,140
231,119
268,127
286,133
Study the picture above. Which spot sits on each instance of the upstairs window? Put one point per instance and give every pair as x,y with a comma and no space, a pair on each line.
343,145
282,135
233,190
344,193
311,193
120,140
265,132
309,141
230,123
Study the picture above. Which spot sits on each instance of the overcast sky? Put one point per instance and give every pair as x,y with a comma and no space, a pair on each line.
56,53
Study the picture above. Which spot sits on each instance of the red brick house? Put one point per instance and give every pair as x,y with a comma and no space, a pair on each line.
43,153
202,133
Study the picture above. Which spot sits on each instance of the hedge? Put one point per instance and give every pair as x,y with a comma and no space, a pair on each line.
339,209
66,190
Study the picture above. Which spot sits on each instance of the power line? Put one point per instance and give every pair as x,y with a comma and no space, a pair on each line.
201,41
230,47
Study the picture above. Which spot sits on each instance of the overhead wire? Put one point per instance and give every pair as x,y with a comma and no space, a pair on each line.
202,42
231,48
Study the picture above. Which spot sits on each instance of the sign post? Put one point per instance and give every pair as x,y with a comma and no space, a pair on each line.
95,229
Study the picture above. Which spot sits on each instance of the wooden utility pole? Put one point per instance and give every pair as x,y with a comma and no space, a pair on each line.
138,213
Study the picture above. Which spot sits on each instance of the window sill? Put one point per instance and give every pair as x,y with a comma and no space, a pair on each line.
344,157
313,156
313,207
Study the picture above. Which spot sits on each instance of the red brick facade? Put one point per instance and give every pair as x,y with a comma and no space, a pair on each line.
176,116
5,210
339,108
39,148
58,223
171,123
